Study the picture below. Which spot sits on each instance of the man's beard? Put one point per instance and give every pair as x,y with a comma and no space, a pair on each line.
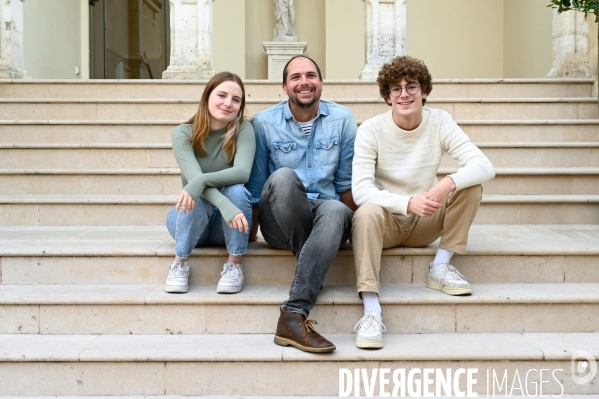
306,105
303,105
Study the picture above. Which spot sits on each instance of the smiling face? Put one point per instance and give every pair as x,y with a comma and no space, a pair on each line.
224,104
407,108
303,85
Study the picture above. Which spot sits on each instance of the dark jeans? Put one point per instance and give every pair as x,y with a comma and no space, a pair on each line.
312,229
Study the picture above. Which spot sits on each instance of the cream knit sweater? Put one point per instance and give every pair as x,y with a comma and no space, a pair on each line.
392,165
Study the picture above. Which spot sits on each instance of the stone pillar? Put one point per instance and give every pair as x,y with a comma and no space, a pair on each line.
12,59
385,34
191,40
279,53
570,46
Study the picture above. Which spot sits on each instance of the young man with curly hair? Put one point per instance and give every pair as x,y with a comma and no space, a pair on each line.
394,182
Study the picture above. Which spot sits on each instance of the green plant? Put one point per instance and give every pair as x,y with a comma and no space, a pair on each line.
585,6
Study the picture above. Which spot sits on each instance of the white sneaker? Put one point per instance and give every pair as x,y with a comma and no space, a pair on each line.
178,276
370,331
232,280
448,280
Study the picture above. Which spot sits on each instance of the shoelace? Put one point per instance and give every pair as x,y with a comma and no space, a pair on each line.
451,273
369,321
231,270
179,270
309,325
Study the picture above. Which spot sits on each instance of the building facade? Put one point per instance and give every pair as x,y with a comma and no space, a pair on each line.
458,39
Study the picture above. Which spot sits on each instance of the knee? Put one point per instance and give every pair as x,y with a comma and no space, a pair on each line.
336,211
202,208
237,194
367,216
282,177
284,185
472,193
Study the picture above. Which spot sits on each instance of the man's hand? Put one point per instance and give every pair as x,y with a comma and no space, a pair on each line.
240,223
422,206
440,191
255,223
185,202
348,199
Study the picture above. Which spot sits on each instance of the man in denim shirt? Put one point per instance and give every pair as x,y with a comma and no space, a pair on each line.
301,180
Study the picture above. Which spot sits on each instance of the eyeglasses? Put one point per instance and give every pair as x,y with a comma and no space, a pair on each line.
412,88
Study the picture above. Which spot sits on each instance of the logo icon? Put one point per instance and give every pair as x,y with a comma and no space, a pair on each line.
583,367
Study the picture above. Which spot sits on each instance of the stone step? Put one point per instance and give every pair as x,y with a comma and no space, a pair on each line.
86,131
541,181
265,89
389,389
537,155
376,393
159,131
147,210
564,396
159,155
208,364
141,255
363,108
531,130
167,181
407,308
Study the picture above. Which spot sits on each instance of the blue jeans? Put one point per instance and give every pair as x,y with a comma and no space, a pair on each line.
204,226
313,230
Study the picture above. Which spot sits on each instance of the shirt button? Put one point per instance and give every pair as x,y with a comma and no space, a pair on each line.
308,147
311,185
309,165
300,129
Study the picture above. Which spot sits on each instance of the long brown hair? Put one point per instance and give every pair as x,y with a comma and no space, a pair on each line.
201,120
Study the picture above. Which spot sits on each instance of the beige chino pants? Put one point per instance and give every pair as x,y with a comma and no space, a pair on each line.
374,228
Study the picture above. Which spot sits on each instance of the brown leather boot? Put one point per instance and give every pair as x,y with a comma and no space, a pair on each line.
294,329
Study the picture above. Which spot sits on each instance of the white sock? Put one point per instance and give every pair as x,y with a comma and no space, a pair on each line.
371,302
443,256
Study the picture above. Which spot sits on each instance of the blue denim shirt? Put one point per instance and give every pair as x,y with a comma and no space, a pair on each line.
323,161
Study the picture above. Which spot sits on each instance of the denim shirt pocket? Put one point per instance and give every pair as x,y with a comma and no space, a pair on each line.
327,150
285,154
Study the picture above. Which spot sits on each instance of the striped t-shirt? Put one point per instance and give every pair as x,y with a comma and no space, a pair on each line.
307,127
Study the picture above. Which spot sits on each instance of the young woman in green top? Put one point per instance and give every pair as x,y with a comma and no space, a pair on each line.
215,151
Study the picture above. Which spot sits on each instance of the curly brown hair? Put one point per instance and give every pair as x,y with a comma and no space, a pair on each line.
400,67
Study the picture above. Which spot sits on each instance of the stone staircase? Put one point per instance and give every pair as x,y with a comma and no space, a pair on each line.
86,179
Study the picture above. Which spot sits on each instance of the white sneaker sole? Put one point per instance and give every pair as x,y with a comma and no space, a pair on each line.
228,289
369,344
176,288
432,284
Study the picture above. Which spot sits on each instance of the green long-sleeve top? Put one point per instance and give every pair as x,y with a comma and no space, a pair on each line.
204,175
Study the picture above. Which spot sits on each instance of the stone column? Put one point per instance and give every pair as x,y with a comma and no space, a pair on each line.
385,34
570,46
12,59
191,40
